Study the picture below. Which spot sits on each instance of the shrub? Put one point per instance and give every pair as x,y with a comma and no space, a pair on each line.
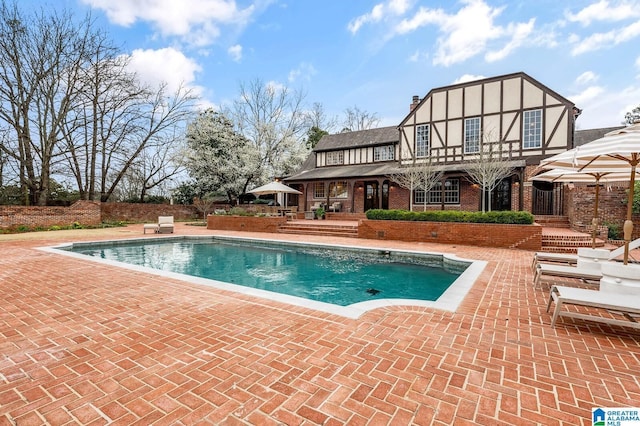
505,217
614,230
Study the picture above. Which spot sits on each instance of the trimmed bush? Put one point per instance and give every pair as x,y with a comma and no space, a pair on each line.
505,217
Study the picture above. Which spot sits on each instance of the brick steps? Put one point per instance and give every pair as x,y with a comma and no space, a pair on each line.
350,231
553,221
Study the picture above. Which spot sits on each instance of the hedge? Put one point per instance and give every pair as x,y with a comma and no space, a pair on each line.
509,217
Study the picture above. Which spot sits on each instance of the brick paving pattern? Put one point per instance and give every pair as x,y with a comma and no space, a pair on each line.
84,343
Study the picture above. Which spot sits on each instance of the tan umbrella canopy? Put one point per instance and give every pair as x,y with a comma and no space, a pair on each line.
571,176
617,151
275,187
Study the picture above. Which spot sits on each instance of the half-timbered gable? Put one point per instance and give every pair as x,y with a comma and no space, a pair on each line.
528,120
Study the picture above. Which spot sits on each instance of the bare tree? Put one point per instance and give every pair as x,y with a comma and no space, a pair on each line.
420,176
316,117
489,166
42,55
272,118
357,119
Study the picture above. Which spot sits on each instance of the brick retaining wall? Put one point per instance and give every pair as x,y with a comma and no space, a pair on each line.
245,223
83,212
140,212
90,213
525,237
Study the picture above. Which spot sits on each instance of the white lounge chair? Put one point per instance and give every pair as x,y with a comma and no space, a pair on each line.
618,303
165,224
546,270
572,259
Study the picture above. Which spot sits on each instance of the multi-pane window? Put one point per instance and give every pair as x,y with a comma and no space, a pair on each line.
338,189
383,153
434,196
532,129
422,141
472,135
335,158
318,190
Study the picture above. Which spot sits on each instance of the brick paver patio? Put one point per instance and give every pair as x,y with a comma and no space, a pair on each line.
84,343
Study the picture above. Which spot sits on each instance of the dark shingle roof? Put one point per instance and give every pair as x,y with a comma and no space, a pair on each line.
358,138
586,136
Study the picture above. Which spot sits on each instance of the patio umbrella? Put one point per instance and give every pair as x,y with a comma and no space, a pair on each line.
559,175
617,151
275,187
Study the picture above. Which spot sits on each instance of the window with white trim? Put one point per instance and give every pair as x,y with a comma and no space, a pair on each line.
532,129
472,135
422,141
318,190
335,158
383,153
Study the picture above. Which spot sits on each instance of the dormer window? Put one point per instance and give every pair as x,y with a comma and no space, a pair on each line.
335,158
383,153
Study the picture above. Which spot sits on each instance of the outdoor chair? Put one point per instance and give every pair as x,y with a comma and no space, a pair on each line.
335,207
572,259
626,306
587,274
165,224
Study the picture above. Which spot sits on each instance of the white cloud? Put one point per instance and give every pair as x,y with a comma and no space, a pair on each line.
304,72
609,39
520,33
196,21
166,65
379,12
467,32
467,77
418,56
586,78
604,107
605,10
235,52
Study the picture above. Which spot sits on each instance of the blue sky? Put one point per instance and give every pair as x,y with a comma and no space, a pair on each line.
377,54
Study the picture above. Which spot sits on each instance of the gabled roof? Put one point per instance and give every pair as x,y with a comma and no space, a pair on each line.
358,139
483,81
586,136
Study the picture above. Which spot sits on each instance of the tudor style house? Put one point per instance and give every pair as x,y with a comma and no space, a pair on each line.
448,127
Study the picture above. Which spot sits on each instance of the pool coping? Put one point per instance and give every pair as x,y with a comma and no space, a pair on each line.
449,300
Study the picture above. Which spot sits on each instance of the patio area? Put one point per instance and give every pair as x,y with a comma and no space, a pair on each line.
84,343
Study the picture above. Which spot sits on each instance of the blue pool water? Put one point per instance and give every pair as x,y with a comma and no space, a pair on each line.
332,275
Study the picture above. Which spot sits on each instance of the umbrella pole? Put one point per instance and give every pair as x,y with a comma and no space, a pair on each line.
594,222
628,224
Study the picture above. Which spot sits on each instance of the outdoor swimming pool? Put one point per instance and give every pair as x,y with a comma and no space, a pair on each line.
340,279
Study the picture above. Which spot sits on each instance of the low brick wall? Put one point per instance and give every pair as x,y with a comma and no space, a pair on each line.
245,223
140,212
84,212
525,237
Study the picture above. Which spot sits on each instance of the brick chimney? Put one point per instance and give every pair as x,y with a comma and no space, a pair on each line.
415,101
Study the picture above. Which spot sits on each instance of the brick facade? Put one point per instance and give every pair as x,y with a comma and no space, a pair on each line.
612,206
